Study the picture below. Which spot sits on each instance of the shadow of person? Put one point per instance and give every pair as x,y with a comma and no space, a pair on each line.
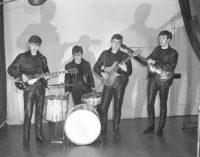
84,41
51,46
139,35
143,35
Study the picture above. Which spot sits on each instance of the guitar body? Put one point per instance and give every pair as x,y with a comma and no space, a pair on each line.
161,74
22,85
112,74
112,70
164,76
26,85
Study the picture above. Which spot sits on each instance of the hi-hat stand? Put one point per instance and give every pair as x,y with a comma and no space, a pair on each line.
61,86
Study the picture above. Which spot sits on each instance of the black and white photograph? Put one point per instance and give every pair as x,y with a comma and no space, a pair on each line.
99,78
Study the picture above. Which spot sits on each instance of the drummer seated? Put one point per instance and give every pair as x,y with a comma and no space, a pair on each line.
83,81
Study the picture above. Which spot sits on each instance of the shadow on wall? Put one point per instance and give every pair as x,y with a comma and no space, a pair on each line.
135,106
84,41
58,54
51,46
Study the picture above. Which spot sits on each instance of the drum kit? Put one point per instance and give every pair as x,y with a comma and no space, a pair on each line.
81,125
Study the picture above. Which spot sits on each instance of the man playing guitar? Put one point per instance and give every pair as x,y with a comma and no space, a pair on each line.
164,59
108,58
30,60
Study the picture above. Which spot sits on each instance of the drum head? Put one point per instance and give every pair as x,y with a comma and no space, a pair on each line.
82,126
93,98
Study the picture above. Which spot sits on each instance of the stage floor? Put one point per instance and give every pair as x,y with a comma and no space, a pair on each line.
173,143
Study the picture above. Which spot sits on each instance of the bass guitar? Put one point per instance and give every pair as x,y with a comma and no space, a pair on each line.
35,75
161,74
112,70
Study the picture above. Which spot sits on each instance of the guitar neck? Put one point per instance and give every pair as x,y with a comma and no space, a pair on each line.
38,76
133,54
128,58
142,60
55,73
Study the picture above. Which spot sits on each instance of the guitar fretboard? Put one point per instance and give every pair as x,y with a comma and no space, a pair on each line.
130,56
38,76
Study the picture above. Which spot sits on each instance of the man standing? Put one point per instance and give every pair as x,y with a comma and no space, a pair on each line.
164,60
31,60
82,81
117,88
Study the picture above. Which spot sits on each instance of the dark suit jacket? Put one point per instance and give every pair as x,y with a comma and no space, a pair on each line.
87,74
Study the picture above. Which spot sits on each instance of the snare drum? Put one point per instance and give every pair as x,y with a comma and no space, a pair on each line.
54,108
82,125
93,98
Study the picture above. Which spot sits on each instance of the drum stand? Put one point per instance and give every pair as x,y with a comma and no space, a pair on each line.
62,139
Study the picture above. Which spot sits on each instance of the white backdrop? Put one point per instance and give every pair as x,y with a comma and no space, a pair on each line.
89,23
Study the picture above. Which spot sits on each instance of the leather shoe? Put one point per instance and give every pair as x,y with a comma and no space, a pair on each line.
116,135
148,130
41,139
159,132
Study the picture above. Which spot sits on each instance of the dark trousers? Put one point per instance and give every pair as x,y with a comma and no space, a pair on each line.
78,91
155,85
117,90
34,95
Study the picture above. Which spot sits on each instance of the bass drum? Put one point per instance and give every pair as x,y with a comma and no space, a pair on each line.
82,125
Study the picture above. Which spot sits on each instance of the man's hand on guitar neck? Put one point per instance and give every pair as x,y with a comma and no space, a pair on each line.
151,61
25,78
46,76
123,66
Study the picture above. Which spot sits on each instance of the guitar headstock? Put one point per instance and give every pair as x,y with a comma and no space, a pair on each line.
130,51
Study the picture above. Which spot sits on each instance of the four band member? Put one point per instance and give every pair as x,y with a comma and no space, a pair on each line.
117,89
163,58
28,61
82,81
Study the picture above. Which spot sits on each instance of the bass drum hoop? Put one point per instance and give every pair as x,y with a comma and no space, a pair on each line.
87,129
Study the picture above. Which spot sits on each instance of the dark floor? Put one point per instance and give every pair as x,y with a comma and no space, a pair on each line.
174,143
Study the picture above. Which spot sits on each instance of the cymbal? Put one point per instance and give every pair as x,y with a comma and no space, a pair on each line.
60,85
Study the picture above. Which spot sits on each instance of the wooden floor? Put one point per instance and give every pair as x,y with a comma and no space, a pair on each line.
174,143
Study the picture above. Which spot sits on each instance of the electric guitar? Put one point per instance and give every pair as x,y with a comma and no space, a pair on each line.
112,70
35,75
161,74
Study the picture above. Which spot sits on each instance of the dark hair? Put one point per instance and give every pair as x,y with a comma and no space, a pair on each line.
117,36
167,33
35,39
77,49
